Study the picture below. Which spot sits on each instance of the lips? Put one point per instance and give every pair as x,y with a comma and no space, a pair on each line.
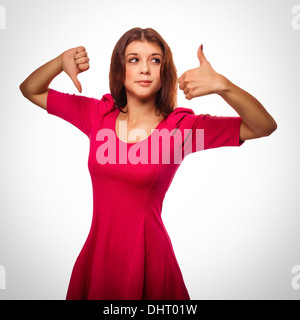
144,81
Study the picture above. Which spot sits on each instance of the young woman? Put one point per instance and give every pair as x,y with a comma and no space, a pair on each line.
128,253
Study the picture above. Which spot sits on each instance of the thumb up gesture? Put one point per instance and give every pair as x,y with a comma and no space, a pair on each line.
74,61
201,81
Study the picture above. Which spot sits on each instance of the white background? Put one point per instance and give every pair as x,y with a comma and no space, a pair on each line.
232,213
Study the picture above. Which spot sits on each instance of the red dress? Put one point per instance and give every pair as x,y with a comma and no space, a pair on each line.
128,253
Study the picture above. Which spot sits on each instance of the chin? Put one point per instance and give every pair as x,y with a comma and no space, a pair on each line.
143,95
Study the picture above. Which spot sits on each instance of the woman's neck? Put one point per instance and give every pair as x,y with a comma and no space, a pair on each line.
140,110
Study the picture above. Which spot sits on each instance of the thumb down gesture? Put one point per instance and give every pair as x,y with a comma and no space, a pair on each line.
202,80
75,61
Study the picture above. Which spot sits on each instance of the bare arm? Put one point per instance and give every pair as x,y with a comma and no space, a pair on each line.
257,122
204,80
36,86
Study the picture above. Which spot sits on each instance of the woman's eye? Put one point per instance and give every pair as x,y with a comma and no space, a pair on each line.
134,60
156,60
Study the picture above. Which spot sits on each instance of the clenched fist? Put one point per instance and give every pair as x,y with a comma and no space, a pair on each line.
75,61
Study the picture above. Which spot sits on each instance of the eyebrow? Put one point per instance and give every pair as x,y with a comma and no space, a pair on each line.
135,54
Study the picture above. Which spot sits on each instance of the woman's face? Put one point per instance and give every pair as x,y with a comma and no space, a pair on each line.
143,61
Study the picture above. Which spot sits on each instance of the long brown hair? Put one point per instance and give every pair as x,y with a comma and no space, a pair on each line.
166,97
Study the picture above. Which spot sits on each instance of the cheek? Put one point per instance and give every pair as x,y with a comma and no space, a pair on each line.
157,73
128,74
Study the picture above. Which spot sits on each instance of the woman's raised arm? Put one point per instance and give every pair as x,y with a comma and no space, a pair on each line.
204,80
36,86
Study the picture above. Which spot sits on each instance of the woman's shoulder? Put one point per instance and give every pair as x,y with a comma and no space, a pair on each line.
102,106
177,115
107,104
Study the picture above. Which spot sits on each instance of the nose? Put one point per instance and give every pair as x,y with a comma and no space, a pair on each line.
145,69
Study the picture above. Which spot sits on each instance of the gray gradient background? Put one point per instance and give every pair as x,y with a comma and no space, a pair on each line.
232,213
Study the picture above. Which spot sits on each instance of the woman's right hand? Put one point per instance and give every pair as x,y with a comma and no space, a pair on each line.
75,61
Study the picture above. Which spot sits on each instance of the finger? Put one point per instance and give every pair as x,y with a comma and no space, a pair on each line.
82,60
80,55
201,56
76,82
182,85
79,49
181,78
186,90
189,97
83,66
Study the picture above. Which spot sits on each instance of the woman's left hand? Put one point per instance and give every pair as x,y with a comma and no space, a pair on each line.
201,81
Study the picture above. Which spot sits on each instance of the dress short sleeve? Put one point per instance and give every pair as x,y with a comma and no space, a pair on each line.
217,131
78,110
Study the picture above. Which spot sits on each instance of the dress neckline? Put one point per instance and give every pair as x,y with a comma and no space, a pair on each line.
131,143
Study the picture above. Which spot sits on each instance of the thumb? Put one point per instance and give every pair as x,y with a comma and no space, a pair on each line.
76,82
201,56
